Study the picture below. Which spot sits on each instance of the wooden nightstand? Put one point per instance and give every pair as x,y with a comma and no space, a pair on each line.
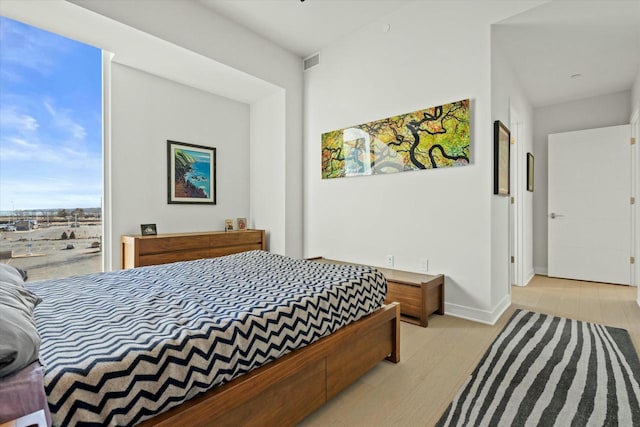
419,295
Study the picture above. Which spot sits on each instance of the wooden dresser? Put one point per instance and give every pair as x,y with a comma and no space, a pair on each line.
138,251
419,295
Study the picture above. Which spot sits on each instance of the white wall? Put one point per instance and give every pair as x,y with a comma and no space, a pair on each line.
635,110
148,110
442,214
589,113
635,93
635,123
268,177
508,96
193,26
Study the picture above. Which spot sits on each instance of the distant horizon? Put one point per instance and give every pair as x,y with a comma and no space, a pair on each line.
12,212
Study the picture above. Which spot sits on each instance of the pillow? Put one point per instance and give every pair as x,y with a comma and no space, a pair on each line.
10,274
19,339
23,273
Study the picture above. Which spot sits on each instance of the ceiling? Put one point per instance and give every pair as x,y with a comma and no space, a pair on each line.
303,27
545,45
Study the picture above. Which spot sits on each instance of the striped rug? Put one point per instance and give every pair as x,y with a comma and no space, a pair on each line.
551,371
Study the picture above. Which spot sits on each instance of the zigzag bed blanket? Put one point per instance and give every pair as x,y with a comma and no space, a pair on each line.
121,347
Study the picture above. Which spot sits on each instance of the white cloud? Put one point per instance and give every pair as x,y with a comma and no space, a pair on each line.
62,119
54,140
22,143
11,119
64,159
24,48
50,193
49,107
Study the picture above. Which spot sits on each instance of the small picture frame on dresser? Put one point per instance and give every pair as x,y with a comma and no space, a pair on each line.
228,225
148,229
242,224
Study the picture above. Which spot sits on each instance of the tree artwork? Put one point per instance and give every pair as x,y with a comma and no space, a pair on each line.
431,138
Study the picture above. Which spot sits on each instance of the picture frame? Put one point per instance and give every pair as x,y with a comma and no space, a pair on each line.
148,229
400,143
501,159
191,173
530,162
242,224
228,225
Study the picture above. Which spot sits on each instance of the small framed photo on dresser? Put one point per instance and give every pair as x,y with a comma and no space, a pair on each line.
228,225
242,224
148,229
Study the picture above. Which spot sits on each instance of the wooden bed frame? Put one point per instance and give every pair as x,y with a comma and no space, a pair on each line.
288,389
285,390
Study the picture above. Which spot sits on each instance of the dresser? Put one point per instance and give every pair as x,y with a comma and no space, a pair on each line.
139,251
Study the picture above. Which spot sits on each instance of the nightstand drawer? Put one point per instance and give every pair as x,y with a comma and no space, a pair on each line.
409,297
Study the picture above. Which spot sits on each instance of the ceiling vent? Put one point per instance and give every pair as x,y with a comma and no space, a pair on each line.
311,61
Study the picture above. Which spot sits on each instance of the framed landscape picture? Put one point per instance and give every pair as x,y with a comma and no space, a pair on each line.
191,171
501,155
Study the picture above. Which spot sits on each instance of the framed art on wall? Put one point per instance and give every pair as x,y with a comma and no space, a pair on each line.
529,172
148,229
191,171
434,137
501,163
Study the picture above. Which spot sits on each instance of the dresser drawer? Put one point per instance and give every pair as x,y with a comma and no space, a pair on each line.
172,244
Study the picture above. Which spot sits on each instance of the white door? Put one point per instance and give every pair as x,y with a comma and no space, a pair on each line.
589,221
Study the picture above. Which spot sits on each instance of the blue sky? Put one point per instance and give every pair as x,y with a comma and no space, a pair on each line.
50,120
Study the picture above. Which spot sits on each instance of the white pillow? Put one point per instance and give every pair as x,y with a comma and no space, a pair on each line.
10,274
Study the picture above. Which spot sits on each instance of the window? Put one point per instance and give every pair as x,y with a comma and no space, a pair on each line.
50,152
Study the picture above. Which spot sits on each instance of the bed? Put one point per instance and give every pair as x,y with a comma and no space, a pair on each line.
152,345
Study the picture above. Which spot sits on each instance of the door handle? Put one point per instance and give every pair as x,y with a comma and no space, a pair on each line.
554,215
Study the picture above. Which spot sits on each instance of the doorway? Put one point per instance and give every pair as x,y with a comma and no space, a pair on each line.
516,199
589,221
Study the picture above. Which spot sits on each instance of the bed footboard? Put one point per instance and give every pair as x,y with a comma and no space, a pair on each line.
286,390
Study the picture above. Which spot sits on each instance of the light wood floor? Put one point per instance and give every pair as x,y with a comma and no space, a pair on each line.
437,360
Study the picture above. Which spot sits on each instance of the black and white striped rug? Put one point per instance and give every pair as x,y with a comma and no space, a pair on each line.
551,371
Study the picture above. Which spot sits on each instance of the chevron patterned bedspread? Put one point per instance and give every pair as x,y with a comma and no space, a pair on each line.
123,346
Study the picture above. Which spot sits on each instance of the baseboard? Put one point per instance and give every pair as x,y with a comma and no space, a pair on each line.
476,315
529,276
543,271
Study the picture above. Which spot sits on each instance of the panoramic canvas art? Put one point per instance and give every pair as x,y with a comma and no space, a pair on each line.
435,137
192,173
